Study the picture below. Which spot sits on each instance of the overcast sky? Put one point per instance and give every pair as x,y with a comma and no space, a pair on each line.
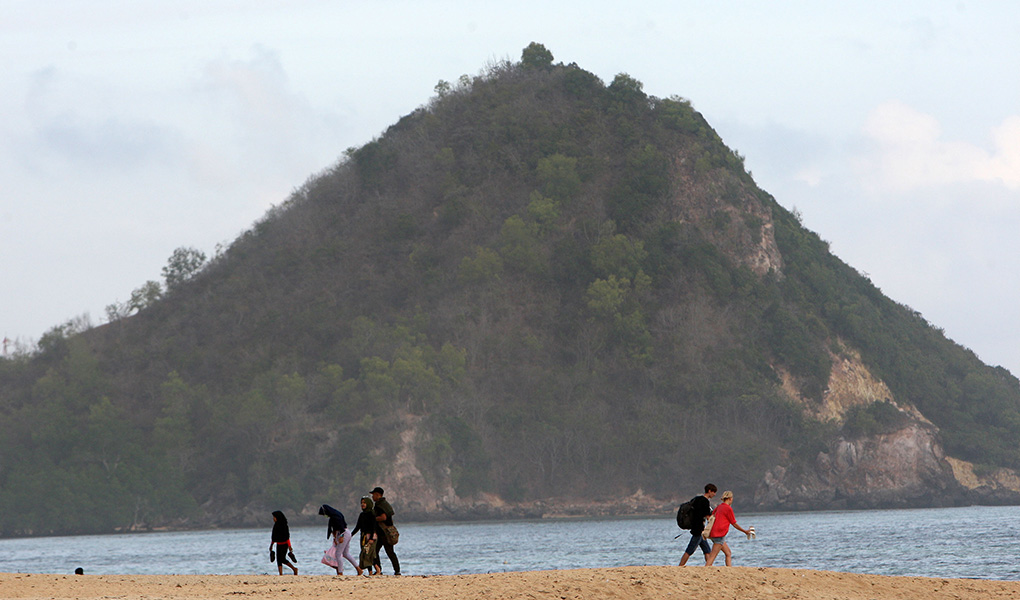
130,128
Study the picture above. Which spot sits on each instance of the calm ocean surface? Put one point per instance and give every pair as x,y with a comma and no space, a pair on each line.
977,542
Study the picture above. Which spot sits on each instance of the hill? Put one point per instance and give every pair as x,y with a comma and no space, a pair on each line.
538,293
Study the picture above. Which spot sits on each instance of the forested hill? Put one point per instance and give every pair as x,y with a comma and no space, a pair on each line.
536,288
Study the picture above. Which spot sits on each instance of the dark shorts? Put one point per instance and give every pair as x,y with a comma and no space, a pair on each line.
697,541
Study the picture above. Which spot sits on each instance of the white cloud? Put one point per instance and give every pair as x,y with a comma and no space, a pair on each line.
266,134
811,175
908,152
1005,165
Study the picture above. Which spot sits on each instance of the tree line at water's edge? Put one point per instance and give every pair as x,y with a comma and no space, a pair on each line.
547,279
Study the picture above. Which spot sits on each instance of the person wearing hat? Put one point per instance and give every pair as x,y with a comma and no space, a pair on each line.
384,515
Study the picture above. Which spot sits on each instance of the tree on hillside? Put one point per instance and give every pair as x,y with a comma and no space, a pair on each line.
182,265
536,56
145,296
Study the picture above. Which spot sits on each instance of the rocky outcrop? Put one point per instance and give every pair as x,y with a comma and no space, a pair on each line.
901,469
995,486
851,385
906,467
742,225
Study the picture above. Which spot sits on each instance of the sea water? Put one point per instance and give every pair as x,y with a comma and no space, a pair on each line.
973,542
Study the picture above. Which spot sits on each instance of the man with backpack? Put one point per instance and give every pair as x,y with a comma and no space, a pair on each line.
695,516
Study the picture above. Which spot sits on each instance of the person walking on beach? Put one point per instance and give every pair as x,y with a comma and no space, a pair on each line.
724,517
369,528
701,508
281,537
337,530
384,515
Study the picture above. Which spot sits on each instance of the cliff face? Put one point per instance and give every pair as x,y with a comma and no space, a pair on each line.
992,486
902,469
851,385
905,467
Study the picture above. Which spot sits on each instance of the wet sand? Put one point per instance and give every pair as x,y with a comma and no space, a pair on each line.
613,583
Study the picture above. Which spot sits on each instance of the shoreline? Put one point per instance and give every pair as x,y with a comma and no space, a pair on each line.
636,583
558,514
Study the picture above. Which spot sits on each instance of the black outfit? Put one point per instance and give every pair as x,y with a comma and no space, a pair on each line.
366,524
281,537
700,509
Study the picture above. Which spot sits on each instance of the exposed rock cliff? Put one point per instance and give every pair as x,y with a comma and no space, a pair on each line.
995,486
851,385
904,468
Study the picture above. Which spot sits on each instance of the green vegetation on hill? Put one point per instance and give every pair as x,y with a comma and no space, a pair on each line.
547,278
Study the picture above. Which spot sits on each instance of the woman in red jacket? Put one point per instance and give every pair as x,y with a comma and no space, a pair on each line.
724,517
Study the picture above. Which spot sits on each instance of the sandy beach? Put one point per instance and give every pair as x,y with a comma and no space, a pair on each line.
623,583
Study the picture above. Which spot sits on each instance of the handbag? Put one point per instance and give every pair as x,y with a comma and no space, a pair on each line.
369,554
708,526
391,533
329,557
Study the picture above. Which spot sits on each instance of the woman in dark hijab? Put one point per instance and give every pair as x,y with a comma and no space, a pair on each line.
337,530
369,529
281,537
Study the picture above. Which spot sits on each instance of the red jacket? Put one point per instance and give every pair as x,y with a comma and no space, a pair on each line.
723,518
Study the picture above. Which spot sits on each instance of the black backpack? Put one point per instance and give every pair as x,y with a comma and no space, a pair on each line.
685,514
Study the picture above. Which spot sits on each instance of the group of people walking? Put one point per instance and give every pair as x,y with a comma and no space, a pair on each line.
375,523
722,518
